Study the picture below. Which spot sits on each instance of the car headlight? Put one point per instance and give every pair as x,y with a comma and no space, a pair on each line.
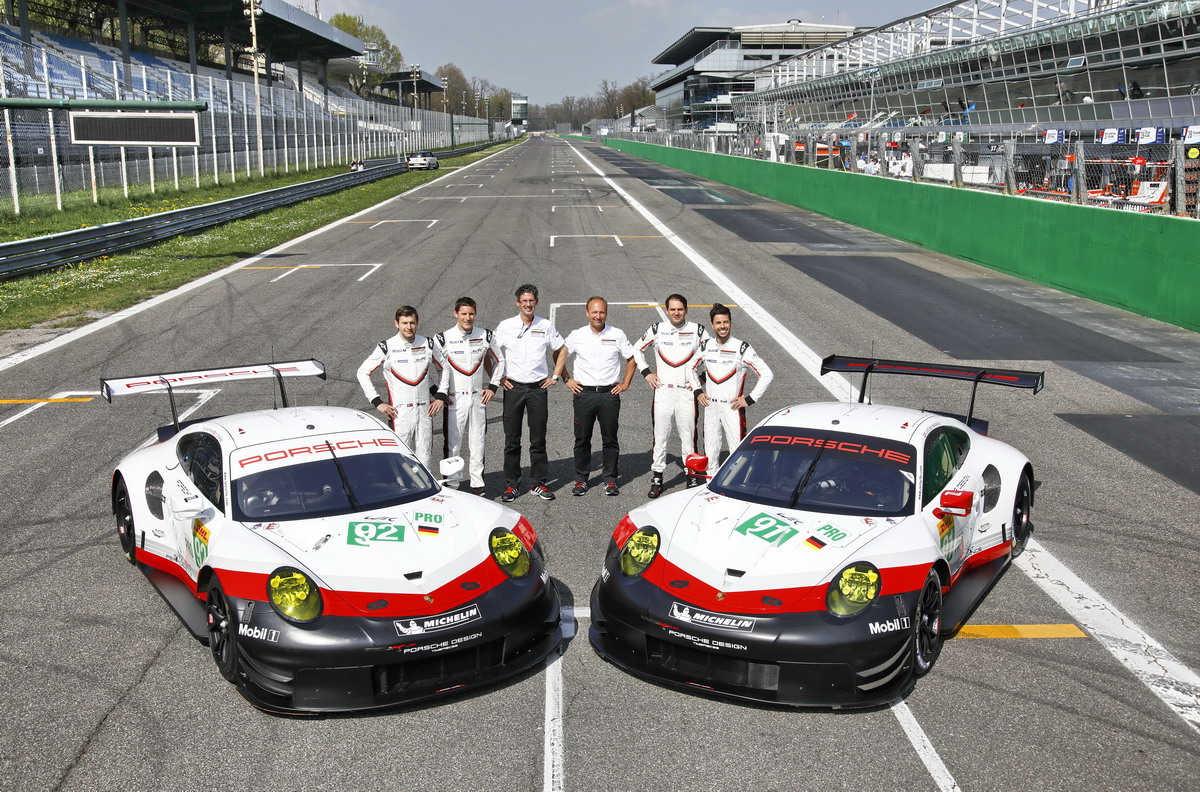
293,595
639,550
853,589
509,552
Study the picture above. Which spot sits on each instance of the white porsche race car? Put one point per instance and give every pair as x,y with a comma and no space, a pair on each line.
828,558
322,564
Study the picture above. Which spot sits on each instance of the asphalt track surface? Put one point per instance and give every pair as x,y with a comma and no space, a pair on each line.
103,689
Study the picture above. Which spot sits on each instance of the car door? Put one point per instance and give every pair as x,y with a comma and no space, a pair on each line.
199,497
944,470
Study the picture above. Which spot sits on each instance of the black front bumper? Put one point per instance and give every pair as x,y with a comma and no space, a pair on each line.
344,663
811,659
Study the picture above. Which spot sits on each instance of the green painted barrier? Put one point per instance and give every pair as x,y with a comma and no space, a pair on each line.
1148,264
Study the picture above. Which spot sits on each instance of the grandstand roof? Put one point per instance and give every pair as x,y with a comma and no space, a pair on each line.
286,29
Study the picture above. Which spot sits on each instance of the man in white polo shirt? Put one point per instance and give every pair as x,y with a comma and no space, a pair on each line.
525,340
601,352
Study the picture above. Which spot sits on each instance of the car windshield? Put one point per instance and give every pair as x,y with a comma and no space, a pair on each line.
830,472
325,487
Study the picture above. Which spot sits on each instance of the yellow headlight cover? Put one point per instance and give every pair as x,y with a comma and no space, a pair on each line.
853,589
509,552
639,551
293,595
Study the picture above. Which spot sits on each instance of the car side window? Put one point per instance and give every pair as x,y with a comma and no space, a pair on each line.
200,455
945,450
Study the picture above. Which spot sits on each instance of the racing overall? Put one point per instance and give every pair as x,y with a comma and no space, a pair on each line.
405,366
464,356
724,368
674,400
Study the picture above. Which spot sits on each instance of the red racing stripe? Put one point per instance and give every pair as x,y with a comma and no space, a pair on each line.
801,599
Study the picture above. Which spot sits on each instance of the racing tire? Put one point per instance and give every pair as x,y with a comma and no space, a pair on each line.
222,632
927,626
1021,526
123,511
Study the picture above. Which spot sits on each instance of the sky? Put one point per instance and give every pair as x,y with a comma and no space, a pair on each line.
548,49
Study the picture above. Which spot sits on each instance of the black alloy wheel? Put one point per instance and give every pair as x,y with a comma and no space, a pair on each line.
222,632
1021,526
927,630
123,511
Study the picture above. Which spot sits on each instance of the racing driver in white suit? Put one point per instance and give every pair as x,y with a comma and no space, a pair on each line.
468,353
724,361
405,358
675,344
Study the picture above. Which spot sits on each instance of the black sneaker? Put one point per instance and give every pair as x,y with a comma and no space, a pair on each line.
656,486
579,489
476,490
694,481
510,495
610,488
541,491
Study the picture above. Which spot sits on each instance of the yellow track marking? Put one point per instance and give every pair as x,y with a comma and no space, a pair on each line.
1021,631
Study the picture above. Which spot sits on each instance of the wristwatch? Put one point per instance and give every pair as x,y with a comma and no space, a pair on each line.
554,377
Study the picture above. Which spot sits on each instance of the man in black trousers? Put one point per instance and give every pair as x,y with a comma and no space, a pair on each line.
599,350
525,339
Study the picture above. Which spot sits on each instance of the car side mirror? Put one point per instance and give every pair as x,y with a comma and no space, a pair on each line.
957,502
697,465
450,467
185,507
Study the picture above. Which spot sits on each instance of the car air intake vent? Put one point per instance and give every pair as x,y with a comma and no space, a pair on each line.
735,572
679,583
412,575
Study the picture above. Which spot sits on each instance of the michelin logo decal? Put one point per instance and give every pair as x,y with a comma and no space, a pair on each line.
686,613
443,621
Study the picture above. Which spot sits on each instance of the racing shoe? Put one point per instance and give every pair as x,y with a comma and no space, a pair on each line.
579,489
542,491
610,488
510,495
656,486
694,481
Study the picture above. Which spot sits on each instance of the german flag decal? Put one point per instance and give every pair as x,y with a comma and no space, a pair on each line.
427,530
814,543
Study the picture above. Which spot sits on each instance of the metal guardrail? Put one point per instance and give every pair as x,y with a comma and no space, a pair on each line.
71,247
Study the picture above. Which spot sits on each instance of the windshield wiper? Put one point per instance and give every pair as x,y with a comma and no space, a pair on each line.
345,481
803,482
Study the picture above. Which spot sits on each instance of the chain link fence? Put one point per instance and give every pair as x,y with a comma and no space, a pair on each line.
1160,178
246,131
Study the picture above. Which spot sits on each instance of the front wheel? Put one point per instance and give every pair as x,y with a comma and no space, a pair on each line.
927,632
123,511
222,632
1021,526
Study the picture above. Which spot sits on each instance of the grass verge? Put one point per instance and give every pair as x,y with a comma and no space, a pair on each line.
70,295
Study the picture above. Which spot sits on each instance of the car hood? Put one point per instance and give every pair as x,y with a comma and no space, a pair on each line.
410,549
734,545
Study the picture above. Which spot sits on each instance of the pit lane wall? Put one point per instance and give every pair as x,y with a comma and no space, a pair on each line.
1148,264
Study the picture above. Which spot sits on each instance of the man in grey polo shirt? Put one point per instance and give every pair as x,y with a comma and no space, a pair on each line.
601,352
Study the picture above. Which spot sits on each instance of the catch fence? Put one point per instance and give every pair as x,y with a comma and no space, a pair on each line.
247,130
1158,177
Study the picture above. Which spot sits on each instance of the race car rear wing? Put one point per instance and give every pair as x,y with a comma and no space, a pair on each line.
145,383
1012,378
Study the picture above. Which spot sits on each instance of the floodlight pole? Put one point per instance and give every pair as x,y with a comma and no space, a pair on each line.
253,12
